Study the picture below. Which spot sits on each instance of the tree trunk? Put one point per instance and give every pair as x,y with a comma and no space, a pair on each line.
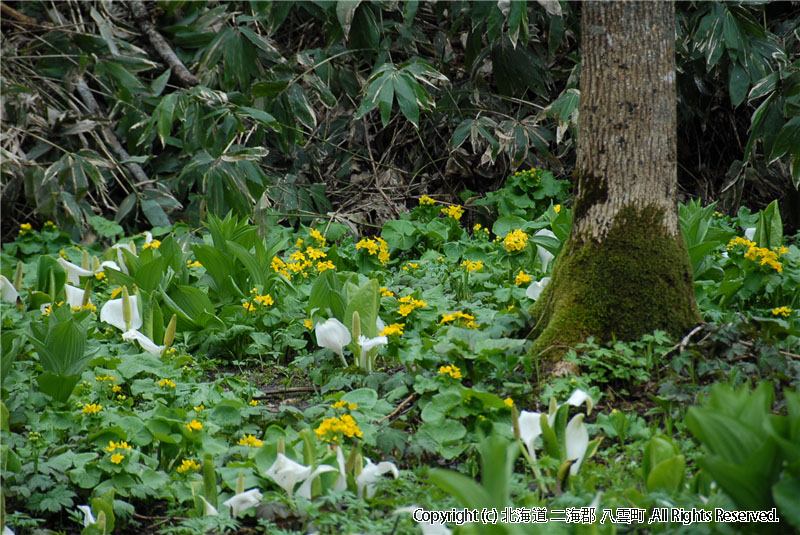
624,270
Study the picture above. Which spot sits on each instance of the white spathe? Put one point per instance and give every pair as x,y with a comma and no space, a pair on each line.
242,501
341,481
544,255
146,344
750,233
9,293
578,398
368,343
288,473
536,287
370,474
112,313
208,509
577,440
74,295
75,272
333,334
88,517
7,531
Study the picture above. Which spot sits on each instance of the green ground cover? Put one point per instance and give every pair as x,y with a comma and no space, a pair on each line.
232,379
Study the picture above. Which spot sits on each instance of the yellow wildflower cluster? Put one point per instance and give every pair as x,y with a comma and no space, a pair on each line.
25,228
155,244
251,441
194,425
394,328
453,211
408,304
169,383
116,388
375,247
516,240
317,235
522,278
106,377
472,265
386,292
121,445
342,404
740,241
425,200
331,428
451,370
760,255
412,265
188,464
300,261
199,408
468,318
87,306
263,300
193,264
49,224
782,311
92,408
322,266
100,275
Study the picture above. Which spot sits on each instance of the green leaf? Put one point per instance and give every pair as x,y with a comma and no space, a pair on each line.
787,497
738,84
668,475
788,140
163,115
469,493
345,10
154,213
406,98
104,227
158,85
58,386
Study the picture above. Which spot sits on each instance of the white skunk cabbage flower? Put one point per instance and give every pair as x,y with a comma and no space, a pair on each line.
287,473
370,474
112,313
536,287
544,255
75,272
88,517
209,510
578,398
368,343
9,293
146,344
750,233
242,501
332,334
576,440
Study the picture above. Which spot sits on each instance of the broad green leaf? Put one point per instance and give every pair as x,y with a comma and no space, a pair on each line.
406,98
667,475
738,84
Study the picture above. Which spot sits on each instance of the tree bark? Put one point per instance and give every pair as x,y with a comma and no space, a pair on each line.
624,270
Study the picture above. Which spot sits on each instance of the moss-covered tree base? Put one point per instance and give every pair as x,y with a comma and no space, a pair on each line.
638,279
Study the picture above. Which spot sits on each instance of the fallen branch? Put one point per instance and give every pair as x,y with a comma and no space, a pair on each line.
399,408
94,108
289,390
186,78
16,15
784,353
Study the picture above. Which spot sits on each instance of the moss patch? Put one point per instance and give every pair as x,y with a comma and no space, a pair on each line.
593,190
636,280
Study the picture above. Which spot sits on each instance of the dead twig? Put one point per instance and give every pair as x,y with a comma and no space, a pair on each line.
289,390
16,15
184,76
784,353
399,408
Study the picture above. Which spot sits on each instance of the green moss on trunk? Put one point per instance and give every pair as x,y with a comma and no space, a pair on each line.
636,280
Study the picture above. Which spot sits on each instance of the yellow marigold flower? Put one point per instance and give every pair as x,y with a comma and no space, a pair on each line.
298,243
199,408
385,292
740,241
425,200
453,211
330,428
342,404
318,236
249,307
522,278
251,441
408,304
509,402
155,244
472,265
557,208
49,224
308,323
394,328
322,266
100,275
264,300
782,250
63,254
369,244
476,227
413,265
315,254
121,445
254,402
106,377
188,464
167,382
89,306
117,458
25,228
516,240
193,264
116,388
451,370
782,311
297,256
194,425
92,408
